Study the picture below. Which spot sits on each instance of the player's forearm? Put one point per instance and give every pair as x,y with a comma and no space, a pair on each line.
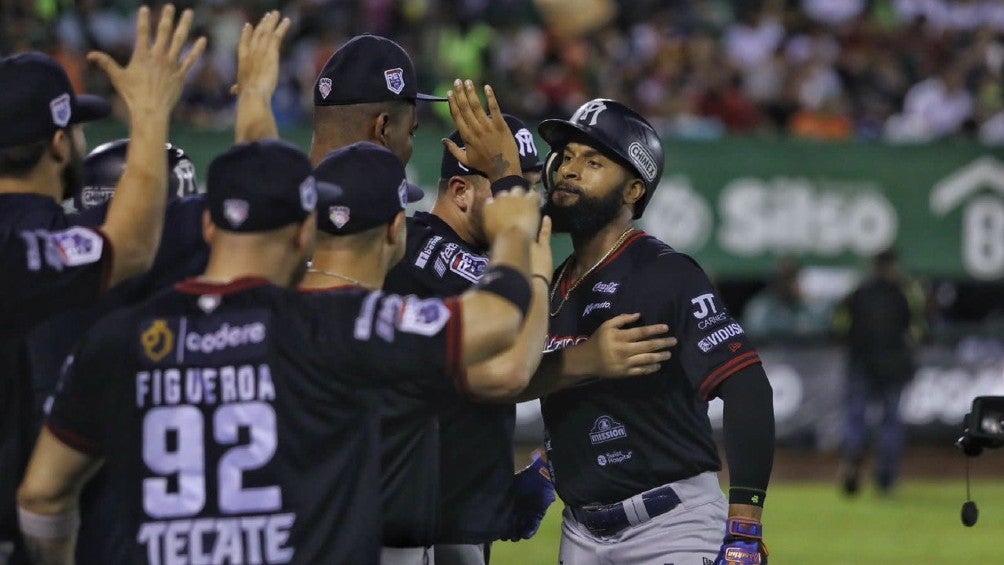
556,371
512,249
255,119
517,364
50,551
136,214
749,435
745,511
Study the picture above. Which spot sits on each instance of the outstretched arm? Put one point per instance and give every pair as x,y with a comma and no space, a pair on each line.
257,78
48,497
611,352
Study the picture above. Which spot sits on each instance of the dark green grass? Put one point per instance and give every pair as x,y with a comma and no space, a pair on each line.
811,523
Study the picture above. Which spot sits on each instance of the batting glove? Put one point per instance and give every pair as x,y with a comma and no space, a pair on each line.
533,492
743,544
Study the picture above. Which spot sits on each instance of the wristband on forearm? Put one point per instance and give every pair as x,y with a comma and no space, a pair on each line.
747,495
509,284
507,183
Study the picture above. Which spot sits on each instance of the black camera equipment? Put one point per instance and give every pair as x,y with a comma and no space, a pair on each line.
982,428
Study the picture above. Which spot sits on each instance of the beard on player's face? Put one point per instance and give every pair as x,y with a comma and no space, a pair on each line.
588,215
73,175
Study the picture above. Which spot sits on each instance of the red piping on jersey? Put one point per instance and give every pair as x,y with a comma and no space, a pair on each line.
195,286
74,440
623,247
455,347
725,371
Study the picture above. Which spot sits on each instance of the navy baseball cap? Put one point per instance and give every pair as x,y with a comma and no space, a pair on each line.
260,186
37,99
360,187
529,158
368,68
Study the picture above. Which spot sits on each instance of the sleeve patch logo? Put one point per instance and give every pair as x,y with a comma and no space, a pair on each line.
606,429
423,317
426,253
468,266
77,246
719,336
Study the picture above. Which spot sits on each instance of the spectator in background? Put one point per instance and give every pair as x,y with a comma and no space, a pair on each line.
781,310
880,363
934,108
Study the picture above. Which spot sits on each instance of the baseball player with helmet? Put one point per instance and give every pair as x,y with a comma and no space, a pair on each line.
231,408
49,265
634,460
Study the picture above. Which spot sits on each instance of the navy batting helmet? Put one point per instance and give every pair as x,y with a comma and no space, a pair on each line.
103,167
616,131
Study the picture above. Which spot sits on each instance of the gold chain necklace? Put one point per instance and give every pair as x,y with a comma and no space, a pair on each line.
578,281
356,282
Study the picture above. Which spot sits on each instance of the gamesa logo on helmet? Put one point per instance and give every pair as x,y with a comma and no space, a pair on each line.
643,160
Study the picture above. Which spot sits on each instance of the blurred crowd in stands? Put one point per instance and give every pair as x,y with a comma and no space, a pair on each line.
899,70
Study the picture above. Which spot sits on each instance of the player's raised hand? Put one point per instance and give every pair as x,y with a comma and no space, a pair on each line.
512,209
541,261
631,352
488,144
151,84
258,56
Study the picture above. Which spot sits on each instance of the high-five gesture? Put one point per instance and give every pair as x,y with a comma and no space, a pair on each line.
489,145
151,84
257,77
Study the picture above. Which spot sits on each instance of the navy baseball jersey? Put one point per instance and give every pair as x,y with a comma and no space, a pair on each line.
475,439
183,253
233,418
612,439
48,266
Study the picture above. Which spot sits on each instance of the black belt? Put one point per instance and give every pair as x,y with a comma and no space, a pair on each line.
609,519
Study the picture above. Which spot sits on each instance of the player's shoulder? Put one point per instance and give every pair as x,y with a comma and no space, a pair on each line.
652,255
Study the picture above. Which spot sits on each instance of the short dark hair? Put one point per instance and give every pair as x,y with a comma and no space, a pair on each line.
19,160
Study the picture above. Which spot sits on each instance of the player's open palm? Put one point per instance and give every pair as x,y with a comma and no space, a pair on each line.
512,209
258,55
151,84
488,143
629,352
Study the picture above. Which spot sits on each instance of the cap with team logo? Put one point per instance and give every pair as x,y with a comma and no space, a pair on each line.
36,99
260,186
529,159
368,68
360,187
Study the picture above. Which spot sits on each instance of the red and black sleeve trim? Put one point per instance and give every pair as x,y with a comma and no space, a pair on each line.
75,440
725,371
455,347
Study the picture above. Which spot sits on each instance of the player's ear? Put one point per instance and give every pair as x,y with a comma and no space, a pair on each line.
208,227
634,192
60,146
397,229
380,126
461,192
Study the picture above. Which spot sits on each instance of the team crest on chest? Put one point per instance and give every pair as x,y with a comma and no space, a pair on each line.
395,80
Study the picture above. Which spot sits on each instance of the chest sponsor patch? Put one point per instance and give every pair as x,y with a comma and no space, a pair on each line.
208,340
426,253
614,458
709,342
590,308
423,317
606,287
559,342
77,246
606,429
469,266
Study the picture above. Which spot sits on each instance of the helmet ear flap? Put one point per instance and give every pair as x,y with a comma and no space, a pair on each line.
549,174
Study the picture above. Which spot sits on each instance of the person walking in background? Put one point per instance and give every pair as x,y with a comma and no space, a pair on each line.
880,364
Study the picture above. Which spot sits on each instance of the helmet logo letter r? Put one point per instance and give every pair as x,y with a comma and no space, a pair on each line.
589,111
